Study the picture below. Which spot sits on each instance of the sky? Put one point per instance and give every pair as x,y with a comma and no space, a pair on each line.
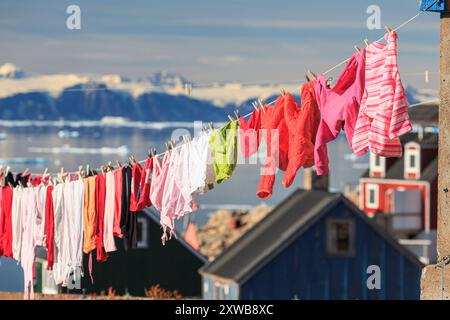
210,40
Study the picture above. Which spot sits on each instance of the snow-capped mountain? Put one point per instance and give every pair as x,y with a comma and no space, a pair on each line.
10,71
160,97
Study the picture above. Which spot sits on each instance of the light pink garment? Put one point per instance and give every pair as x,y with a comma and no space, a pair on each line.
159,176
171,195
108,230
383,116
339,107
41,196
27,253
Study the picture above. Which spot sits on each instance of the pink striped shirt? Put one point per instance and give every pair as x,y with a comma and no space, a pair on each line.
383,115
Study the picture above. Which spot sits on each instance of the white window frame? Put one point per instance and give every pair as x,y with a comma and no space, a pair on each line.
143,243
377,168
409,169
376,189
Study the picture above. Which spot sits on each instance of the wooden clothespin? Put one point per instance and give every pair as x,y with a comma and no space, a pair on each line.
230,117
118,164
255,105
237,114
388,28
110,167
357,48
102,169
20,185
307,78
282,91
80,171
312,74
61,173
366,42
25,171
10,184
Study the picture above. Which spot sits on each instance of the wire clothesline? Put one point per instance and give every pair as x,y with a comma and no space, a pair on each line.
406,22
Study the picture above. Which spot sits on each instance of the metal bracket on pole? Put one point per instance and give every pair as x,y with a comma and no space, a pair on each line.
436,5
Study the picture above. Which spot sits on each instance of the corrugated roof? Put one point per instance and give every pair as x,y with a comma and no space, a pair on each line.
276,230
425,114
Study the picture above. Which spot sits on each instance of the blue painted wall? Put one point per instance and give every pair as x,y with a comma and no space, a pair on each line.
304,270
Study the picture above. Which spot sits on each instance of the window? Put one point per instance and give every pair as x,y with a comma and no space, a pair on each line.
340,237
377,165
412,161
142,233
372,195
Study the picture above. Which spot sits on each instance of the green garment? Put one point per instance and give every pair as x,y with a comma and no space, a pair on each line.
224,147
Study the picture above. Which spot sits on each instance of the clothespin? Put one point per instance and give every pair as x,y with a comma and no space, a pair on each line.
154,152
25,171
88,171
110,166
307,78
255,105
357,48
366,42
80,170
102,169
261,105
10,184
118,164
211,126
230,117
312,74
237,114
62,174
282,91
388,28
20,185
7,170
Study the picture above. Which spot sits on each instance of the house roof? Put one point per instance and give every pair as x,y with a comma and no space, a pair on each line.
397,169
425,114
278,229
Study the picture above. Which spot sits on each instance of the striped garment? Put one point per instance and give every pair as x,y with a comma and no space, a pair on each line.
383,115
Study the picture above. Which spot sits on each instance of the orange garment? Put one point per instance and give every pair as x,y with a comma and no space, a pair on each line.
302,124
89,216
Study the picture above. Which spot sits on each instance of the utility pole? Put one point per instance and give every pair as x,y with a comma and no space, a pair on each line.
435,282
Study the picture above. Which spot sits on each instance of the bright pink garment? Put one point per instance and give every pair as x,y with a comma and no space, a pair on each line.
159,177
6,222
108,226
117,202
383,116
339,108
249,133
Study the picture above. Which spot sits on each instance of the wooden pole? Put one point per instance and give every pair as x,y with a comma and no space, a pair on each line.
435,282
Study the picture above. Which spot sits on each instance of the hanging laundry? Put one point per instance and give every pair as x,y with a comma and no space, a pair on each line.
276,134
118,174
89,215
249,133
16,214
27,251
383,116
223,142
302,124
339,107
6,222
136,186
170,195
60,254
201,160
159,177
108,227
22,178
41,194
186,203
73,227
146,183
100,197
128,219
49,227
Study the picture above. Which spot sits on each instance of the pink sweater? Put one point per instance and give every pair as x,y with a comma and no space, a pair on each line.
339,108
383,116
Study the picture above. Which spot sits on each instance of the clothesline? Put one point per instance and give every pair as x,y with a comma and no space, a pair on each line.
406,22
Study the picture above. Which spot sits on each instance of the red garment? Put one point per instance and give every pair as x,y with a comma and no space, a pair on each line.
117,230
6,222
136,174
302,124
140,186
49,227
100,193
37,180
249,133
277,140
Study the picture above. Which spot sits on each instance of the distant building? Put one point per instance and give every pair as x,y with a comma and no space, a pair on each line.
401,193
313,245
173,266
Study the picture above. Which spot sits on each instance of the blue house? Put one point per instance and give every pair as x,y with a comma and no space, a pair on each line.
314,245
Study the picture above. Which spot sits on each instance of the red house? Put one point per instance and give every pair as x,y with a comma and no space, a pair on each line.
401,193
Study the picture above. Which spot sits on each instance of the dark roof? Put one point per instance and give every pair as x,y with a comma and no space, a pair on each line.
425,114
278,229
397,169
